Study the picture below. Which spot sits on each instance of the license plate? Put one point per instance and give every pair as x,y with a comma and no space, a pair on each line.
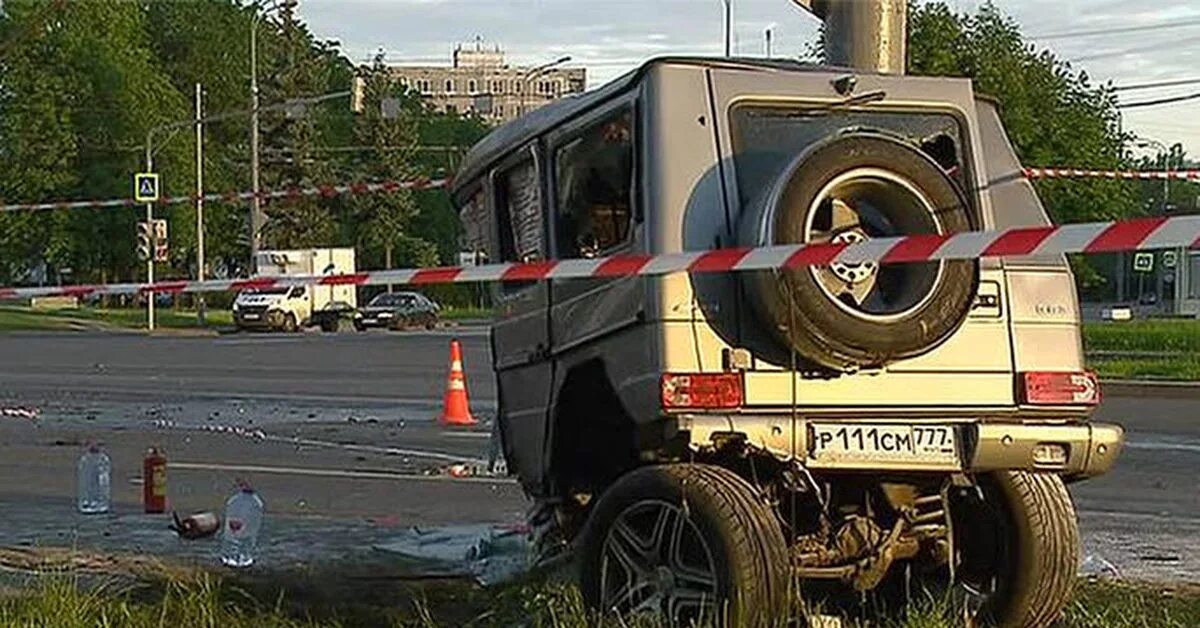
250,317
874,445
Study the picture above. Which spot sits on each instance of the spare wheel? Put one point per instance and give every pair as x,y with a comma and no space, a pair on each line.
853,189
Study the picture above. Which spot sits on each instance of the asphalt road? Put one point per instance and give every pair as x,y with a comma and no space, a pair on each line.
370,368
347,421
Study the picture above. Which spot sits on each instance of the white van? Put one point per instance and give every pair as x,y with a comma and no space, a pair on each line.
290,308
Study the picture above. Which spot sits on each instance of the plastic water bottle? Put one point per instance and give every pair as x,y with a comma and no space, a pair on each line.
94,481
239,530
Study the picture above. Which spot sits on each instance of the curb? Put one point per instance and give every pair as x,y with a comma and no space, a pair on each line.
1161,389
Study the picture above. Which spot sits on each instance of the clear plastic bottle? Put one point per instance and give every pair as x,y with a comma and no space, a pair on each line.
94,481
240,527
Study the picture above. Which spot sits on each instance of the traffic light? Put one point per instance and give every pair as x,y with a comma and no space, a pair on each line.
160,240
144,239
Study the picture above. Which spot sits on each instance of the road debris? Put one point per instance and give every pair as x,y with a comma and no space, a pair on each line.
1095,565
19,412
196,525
489,553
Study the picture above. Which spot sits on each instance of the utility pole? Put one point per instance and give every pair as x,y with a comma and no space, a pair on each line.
256,217
767,32
199,200
728,23
153,242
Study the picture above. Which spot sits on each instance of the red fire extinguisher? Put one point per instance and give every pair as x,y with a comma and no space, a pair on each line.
154,481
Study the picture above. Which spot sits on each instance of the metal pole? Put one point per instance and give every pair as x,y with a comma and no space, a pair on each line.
256,218
767,36
199,201
863,34
728,23
153,242
1160,271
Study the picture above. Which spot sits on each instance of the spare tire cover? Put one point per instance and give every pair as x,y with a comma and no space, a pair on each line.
851,189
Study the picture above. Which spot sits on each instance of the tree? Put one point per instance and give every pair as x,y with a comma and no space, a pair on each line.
390,143
77,131
1054,115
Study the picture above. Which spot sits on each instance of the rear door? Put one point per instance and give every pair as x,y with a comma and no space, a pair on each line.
520,337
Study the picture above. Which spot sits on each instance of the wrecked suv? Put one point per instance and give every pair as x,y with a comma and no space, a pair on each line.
730,447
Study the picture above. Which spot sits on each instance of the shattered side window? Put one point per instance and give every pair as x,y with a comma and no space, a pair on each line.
477,225
521,199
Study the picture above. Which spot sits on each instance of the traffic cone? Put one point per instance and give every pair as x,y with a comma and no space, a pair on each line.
456,410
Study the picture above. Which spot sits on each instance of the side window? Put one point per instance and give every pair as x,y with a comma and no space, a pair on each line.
519,213
478,223
594,175
297,292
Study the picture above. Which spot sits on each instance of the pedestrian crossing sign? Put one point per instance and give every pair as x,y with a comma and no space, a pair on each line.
145,187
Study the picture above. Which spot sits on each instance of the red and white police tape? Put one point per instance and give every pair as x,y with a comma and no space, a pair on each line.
1095,237
1138,175
326,191
329,191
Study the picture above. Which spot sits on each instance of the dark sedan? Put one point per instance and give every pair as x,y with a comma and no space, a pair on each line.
398,310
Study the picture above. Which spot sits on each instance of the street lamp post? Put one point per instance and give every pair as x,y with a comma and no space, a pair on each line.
728,23
200,201
535,72
256,216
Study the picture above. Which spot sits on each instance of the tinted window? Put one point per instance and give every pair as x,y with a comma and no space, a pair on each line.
594,174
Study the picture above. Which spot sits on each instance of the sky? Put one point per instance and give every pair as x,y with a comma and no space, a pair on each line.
610,37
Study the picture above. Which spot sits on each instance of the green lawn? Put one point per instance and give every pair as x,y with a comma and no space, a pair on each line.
1181,335
13,318
1151,349
59,602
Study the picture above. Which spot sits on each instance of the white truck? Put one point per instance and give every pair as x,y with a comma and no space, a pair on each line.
291,308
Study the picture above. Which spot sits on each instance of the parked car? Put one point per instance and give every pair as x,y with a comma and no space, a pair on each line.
709,441
397,311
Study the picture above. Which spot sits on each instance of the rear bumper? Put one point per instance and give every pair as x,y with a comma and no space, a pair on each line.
1091,448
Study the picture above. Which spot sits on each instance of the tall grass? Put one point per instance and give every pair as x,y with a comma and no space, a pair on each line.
206,602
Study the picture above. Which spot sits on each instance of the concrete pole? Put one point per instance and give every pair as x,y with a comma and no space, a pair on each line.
199,200
153,240
863,34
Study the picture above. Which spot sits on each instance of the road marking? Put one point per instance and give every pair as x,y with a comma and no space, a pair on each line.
1190,447
371,449
466,434
333,473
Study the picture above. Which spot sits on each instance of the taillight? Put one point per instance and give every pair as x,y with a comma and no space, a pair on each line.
702,390
1054,388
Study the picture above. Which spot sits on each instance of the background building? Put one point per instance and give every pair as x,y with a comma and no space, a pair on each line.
479,81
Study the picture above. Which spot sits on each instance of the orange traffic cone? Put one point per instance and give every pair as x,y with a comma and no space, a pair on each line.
456,409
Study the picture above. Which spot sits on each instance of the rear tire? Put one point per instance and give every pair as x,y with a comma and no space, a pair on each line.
725,562
1032,553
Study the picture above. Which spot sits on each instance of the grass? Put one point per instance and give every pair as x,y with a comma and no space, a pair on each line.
21,318
1182,336
14,318
466,313
61,602
1148,349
